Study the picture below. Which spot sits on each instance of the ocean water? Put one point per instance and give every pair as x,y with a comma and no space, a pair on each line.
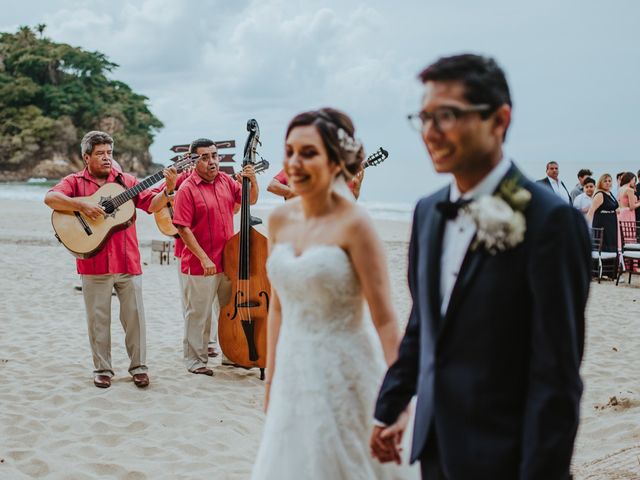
35,190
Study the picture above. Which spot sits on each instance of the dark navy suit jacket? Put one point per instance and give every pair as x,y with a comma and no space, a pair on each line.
497,377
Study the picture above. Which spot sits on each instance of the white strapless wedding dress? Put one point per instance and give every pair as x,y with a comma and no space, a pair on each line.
329,367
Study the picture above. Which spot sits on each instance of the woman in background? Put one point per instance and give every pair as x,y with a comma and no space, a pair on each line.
603,213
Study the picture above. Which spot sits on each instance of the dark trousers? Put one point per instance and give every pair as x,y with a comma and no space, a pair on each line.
430,463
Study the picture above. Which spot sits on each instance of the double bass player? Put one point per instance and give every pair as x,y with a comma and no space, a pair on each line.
203,215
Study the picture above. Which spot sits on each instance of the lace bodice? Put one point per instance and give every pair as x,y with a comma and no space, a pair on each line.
319,291
329,365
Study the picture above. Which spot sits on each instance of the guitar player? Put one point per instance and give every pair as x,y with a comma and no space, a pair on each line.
115,266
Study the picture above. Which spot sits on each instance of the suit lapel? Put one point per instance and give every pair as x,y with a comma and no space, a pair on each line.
433,239
473,259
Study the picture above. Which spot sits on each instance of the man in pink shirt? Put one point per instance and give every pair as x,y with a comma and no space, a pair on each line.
203,214
115,266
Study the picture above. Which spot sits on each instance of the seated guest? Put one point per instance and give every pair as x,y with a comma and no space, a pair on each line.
583,201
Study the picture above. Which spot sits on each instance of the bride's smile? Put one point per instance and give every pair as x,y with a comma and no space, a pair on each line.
306,162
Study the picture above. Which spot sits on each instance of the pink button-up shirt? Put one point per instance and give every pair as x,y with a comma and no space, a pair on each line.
178,244
120,253
207,209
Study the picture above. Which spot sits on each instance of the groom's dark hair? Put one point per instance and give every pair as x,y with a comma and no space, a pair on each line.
483,79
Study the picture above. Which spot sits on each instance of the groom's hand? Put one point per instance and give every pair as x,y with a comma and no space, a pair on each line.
385,441
384,449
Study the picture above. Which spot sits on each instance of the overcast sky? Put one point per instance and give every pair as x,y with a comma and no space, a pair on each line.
208,66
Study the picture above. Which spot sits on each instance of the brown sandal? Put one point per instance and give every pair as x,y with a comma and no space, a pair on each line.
203,371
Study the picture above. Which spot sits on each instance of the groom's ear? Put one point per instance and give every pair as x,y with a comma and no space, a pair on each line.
501,120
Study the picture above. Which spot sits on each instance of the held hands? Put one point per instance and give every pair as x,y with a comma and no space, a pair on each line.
208,266
92,210
171,177
385,441
247,172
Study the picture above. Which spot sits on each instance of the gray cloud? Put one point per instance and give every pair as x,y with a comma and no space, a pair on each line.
208,66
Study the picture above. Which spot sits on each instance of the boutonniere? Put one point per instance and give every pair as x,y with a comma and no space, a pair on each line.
499,218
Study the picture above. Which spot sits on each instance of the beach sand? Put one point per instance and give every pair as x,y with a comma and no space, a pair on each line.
55,424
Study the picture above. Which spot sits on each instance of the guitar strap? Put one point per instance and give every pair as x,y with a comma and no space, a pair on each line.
120,180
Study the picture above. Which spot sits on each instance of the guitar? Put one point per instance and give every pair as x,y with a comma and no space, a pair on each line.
376,158
84,237
164,217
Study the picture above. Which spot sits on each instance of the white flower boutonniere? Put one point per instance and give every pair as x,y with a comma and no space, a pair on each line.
499,218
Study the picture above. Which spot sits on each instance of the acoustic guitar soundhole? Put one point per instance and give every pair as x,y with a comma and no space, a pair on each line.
109,207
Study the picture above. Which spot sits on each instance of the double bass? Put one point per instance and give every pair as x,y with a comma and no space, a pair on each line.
242,325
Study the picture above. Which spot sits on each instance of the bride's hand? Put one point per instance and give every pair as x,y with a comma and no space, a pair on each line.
385,441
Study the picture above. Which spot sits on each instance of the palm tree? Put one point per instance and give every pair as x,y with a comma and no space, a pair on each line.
40,29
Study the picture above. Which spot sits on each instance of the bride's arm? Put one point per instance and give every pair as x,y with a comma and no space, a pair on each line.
273,332
369,261
274,316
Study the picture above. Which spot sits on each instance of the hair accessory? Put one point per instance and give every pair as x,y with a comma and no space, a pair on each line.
347,142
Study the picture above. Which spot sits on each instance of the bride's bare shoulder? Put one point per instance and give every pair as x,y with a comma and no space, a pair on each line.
358,219
283,214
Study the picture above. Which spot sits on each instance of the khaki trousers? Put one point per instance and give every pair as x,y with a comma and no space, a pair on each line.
201,310
96,290
213,339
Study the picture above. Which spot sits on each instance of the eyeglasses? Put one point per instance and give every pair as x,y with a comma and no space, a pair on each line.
443,118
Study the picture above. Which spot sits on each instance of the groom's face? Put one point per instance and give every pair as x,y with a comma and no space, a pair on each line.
457,146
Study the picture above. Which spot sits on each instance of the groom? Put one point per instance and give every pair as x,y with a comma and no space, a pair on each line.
499,276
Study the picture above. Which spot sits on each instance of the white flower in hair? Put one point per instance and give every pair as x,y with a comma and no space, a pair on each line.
347,142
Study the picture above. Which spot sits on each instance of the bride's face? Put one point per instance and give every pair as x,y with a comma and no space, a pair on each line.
306,162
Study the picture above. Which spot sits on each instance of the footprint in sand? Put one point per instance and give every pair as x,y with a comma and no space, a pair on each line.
34,468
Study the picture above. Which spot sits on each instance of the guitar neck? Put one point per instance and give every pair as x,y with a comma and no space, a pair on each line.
135,190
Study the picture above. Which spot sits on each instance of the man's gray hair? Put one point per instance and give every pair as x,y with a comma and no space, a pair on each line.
93,138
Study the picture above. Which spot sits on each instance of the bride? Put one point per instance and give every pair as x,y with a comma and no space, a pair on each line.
324,364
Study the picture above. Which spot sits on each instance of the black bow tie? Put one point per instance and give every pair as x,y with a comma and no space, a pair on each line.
450,210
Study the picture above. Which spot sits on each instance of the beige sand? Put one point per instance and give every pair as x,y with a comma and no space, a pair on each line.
54,423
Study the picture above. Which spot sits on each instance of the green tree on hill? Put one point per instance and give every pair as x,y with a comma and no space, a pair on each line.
51,94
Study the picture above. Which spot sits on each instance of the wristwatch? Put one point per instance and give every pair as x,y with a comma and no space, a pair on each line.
169,195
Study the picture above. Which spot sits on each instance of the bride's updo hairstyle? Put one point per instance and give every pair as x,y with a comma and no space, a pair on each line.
337,132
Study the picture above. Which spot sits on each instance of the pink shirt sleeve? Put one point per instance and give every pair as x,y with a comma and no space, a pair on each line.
282,177
158,188
236,190
183,208
66,186
143,199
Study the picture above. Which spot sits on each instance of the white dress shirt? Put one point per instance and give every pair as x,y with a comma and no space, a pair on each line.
583,202
459,232
560,190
